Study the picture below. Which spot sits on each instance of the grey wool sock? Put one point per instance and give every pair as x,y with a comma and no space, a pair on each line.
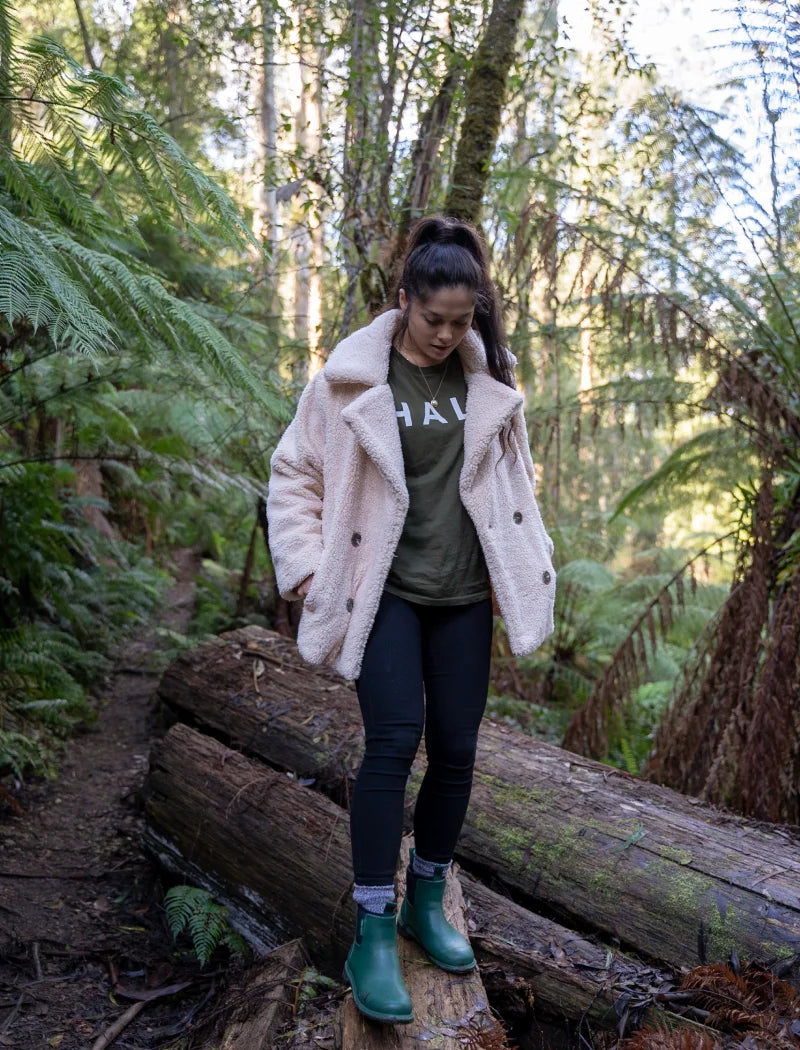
426,869
374,898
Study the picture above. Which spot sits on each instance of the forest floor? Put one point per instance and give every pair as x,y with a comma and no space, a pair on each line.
82,931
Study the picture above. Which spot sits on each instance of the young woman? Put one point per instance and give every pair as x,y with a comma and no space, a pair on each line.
400,494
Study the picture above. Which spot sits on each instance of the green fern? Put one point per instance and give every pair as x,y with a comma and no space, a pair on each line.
194,910
22,752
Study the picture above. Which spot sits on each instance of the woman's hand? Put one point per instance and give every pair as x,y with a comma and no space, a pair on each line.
304,587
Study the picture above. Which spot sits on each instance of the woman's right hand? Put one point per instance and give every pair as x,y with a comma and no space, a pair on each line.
304,587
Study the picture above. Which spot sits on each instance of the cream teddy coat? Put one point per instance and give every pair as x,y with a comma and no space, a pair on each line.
337,499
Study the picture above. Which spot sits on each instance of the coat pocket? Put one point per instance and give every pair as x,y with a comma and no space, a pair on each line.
324,621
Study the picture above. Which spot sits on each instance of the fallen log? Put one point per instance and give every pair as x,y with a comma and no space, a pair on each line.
212,810
675,880
213,813
562,974
262,999
276,854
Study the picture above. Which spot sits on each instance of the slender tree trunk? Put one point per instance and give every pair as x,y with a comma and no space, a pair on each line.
267,215
6,36
308,241
247,571
355,139
423,161
485,99
87,42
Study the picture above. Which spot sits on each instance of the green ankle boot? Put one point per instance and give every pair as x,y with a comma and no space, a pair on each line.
421,918
373,969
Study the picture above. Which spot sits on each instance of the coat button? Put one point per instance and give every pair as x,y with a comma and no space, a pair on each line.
517,516
349,605
546,577
355,539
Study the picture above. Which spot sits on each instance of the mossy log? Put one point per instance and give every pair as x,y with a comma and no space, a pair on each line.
675,880
276,854
530,963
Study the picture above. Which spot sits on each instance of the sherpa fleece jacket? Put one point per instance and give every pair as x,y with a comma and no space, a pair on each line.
337,499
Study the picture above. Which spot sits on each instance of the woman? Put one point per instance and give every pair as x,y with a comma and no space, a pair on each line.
402,491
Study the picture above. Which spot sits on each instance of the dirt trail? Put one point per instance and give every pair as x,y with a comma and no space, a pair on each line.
78,909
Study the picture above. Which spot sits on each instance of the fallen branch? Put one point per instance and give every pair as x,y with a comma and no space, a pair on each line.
121,1023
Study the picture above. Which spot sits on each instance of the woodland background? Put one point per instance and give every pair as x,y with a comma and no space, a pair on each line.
197,200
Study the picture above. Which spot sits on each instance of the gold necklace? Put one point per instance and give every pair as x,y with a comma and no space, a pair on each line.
433,401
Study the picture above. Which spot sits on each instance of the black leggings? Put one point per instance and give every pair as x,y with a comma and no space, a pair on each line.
422,665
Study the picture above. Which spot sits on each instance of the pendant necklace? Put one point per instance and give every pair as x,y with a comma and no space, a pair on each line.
433,396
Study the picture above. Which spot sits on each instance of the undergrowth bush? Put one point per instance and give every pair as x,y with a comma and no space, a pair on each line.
594,609
68,596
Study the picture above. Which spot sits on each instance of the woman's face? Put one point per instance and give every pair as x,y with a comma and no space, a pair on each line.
436,325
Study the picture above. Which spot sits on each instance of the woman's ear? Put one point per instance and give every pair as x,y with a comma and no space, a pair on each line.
402,298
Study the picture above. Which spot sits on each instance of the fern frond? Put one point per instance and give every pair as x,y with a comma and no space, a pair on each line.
711,452
192,909
588,731
91,122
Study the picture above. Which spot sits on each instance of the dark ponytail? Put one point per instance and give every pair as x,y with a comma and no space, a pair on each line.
443,253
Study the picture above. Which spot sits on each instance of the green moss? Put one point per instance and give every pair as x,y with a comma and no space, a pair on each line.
777,951
680,856
605,885
512,842
504,793
521,848
684,890
724,932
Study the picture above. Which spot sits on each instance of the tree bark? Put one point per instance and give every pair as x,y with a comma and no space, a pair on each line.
669,877
483,109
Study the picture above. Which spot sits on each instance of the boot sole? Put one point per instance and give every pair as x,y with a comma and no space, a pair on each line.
373,1015
411,936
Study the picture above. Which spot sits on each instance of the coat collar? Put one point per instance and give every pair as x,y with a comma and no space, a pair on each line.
363,358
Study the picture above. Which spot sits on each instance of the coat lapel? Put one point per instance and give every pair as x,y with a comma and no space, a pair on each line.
373,419
490,406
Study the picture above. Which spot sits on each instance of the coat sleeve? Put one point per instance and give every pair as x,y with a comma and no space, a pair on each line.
295,493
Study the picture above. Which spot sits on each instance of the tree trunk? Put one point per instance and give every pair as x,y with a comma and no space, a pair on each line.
277,855
267,209
669,877
432,126
309,244
483,109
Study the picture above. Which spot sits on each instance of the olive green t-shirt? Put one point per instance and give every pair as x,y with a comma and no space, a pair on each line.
439,560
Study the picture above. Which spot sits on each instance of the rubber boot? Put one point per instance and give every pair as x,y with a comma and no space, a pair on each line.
373,968
421,918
